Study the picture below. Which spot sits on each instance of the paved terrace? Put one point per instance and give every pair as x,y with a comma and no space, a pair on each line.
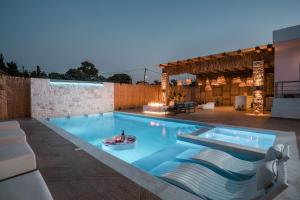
74,174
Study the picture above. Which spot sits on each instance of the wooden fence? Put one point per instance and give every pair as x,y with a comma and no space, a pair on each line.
14,97
133,96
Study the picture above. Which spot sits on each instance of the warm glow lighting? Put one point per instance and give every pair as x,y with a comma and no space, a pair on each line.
221,80
242,84
249,82
179,82
236,80
155,113
199,82
258,82
155,104
214,82
188,81
207,86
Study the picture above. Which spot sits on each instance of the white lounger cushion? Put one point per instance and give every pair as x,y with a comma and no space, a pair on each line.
28,186
16,159
12,136
221,160
206,183
9,125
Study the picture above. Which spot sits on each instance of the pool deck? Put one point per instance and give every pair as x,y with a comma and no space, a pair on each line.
74,174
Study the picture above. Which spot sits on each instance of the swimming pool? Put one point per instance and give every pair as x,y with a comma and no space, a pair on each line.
241,137
153,134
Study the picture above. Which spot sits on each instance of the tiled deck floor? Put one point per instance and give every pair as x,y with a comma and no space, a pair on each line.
72,174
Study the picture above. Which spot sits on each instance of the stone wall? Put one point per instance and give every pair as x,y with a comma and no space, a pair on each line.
53,100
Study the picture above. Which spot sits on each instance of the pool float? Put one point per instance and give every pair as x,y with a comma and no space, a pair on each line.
116,143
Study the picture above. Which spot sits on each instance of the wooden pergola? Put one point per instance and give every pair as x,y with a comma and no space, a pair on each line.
241,63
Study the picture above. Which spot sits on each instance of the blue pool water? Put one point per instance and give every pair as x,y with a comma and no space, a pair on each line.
241,137
153,135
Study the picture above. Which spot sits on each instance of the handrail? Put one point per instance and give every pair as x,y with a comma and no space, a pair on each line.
287,89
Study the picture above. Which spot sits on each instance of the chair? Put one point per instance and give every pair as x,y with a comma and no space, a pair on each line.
235,167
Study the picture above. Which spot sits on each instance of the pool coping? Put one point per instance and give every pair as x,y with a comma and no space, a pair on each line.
153,184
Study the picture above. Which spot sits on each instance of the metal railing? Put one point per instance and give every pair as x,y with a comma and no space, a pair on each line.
287,89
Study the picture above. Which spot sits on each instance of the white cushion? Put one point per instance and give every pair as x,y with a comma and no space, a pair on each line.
275,152
207,106
16,159
9,125
25,187
12,136
266,174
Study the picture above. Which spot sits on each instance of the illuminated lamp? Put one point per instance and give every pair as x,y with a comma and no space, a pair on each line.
179,82
207,86
242,84
236,80
249,82
188,81
221,80
214,82
270,47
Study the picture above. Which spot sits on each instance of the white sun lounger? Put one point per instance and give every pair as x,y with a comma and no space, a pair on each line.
25,187
16,159
12,136
9,125
207,184
226,162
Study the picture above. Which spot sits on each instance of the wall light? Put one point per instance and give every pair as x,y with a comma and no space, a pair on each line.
75,83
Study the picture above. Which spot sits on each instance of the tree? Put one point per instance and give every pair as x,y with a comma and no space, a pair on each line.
89,69
38,73
75,74
12,68
54,75
120,78
26,74
101,78
2,64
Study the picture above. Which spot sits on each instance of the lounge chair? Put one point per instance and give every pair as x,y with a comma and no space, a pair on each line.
9,125
12,136
25,187
235,167
16,159
269,181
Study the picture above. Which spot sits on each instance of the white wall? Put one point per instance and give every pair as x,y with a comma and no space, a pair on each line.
48,100
287,60
287,53
286,108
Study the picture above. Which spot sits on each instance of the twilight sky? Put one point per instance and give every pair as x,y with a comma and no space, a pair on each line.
118,36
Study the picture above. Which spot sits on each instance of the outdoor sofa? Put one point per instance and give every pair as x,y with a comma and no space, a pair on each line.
19,178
